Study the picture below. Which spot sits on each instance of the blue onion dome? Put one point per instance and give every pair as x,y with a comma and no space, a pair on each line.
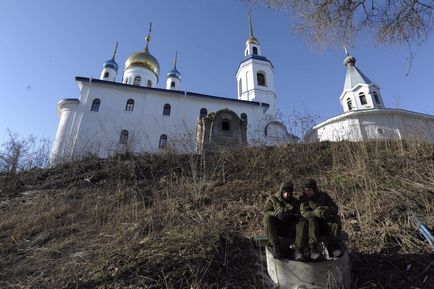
174,73
111,64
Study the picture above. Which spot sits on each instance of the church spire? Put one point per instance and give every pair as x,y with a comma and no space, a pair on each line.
115,51
174,76
252,39
148,37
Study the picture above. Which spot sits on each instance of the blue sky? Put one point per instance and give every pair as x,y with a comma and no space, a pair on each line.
45,44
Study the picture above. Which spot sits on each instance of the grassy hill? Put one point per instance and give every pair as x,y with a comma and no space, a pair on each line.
189,221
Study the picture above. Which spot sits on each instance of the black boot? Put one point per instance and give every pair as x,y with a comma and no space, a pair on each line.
277,253
298,255
336,251
314,254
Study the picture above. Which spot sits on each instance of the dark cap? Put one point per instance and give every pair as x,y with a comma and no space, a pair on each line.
310,184
287,186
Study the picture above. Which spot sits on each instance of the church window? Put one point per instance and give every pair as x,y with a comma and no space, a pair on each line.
244,118
260,78
149,83
362,98
124,137
240,87
203,112
377,99
172,84
255,50
106,74
226,124
163,142
95,104
166,109
137,80
350,104
126,80
130,105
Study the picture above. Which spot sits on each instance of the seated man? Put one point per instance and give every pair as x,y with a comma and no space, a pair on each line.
282,218
321,212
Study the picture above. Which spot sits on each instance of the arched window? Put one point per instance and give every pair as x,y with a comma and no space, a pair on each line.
137,80
240,86
106,74
130,105
362,98
163,142
255,50
166,109
95,104
260,78
149,83
203,112
350,104
226,124
172,84
126,80
123,139
377,99
244,118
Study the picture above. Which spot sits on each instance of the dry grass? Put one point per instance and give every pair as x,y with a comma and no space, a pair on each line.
188,221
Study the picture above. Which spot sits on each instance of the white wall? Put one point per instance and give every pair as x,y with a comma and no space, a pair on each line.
375,124
99,132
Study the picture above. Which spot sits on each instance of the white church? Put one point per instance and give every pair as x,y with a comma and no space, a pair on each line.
365,116
136,114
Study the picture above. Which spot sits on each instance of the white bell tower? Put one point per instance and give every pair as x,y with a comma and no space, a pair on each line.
255,76
359,91
110,67
174,76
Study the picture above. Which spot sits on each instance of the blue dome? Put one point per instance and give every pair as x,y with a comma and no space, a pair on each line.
174,73
111,64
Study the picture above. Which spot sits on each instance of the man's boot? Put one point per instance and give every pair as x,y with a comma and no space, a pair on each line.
298,255
277,253
314,254
337,251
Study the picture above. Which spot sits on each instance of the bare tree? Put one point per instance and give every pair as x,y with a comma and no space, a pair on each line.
18,153
338,21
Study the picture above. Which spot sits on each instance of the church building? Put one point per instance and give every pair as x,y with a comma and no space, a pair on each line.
137,115
366,117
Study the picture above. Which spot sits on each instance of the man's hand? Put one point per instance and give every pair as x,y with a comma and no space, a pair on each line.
321,212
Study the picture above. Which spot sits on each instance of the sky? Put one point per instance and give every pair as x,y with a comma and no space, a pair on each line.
45,44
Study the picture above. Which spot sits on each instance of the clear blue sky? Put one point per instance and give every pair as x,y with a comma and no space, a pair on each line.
45,44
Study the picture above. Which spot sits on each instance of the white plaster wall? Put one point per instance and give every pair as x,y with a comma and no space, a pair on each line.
99,132
144,73
375,125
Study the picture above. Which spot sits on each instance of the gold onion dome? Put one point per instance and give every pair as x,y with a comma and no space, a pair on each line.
144,59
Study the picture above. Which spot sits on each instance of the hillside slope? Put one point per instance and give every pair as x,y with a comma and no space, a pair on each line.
190,221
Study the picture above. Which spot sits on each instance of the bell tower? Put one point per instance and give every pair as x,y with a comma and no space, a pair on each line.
255,75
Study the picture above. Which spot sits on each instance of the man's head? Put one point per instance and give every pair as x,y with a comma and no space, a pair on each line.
286,189
310,188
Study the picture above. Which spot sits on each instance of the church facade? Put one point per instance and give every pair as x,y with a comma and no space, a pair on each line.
365,116
136,115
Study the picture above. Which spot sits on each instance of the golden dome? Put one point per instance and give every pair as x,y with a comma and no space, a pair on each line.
252,40
143,59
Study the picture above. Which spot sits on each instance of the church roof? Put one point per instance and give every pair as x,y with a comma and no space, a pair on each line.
169,91
354,76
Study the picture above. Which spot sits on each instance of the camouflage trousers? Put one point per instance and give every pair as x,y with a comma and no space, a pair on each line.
286,226
330,227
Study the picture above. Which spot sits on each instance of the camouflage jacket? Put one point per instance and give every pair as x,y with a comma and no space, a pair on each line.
321,205
275,205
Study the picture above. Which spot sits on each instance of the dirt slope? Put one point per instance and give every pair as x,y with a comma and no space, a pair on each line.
190,221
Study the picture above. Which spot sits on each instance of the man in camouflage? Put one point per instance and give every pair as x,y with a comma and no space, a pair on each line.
321,212
282,218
